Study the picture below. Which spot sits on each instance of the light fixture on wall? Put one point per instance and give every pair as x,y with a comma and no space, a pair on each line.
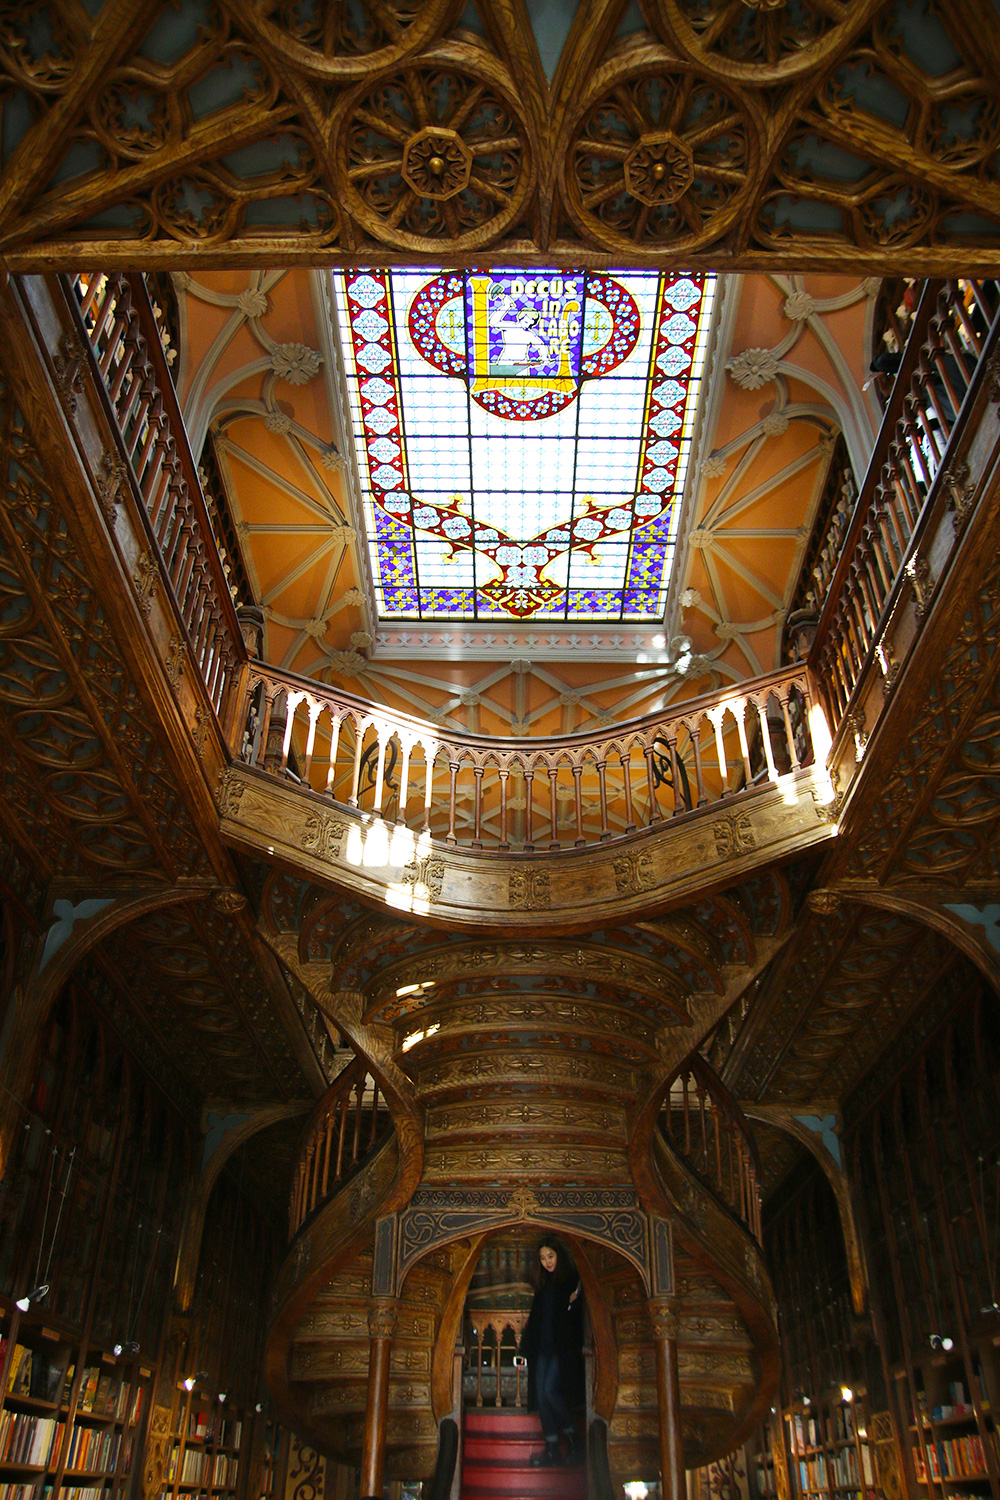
846,1394
128,1347
35,1295
223,1397
190,1381
942,1341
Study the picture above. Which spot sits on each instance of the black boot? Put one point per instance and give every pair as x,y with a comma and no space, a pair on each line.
548,1456
574,1448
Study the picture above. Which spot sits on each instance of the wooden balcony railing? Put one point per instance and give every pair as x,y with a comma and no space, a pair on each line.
115,318
569,792
950,332
347,1126
702,1123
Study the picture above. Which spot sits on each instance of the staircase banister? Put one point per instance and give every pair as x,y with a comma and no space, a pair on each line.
630,733
919,329
713,1083
151,333
341,1086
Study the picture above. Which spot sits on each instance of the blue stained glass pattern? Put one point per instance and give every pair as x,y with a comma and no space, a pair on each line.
522,436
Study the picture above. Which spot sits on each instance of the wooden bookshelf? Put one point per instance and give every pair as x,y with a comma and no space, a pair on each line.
70,1415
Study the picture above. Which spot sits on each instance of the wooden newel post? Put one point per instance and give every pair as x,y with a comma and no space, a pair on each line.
381,1323
673,1483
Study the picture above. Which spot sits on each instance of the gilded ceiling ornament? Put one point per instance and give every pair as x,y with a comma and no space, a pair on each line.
824,903
436,163
659,168
764,4
459,180
295,363
753,368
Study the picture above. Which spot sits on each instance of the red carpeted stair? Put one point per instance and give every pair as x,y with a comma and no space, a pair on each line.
496,1460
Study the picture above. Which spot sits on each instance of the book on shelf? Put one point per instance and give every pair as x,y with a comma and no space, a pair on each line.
19,1373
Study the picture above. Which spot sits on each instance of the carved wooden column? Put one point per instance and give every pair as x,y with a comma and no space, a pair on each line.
381,1323
663,1315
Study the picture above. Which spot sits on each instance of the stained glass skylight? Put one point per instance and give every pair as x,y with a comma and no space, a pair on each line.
522,436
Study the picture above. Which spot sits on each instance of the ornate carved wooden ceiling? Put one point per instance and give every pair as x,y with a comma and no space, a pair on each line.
704,133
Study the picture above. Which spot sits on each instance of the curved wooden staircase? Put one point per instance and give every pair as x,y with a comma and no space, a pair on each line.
527,1101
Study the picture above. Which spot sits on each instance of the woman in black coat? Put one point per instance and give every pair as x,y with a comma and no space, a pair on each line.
553,1345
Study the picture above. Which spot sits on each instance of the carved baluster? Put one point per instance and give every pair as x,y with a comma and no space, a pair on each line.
374,1130
553,812
344,1110
118,325
698,774
739,709
578,800
314,712
765,739
654,811
477,837
130,341
529,778
870,582
327,1151
700,1094
360,1088
379,771
331,771
96,288
679,802
626,758
504,844
291,704
789,732
317,1165
478,1333
150,423
931,443
359,745
430,756
716,716
685,1086
716,1132
603,788
453,766
406,748
498,1335
269,700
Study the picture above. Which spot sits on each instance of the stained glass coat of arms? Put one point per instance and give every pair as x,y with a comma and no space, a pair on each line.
522,436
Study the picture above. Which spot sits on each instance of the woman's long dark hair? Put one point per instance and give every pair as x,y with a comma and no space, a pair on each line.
565,1270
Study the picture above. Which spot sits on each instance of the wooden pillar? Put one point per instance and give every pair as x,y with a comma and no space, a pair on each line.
381,1323
673,1480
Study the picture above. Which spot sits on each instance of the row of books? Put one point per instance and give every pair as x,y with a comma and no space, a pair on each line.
951,1458
18,1491
106,1395
201,1424
32,1373
102,1392
199,1467
812,1473
808,1431
93,1450
25,1439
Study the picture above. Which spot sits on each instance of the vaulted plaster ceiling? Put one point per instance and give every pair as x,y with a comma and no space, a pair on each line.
259,371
